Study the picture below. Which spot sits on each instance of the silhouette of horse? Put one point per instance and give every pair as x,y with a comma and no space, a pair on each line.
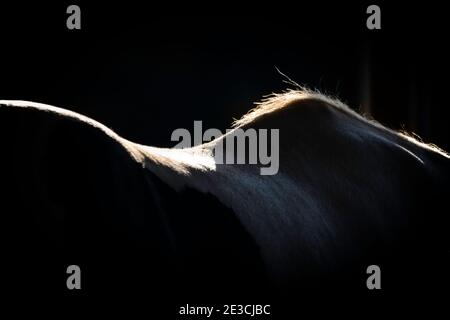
349,193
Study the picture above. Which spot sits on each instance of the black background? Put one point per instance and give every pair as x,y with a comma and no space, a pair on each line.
147,70
144,70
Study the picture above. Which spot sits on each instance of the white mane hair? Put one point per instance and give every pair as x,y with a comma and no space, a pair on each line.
277,101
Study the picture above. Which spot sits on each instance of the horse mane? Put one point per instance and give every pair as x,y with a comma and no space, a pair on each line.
277,101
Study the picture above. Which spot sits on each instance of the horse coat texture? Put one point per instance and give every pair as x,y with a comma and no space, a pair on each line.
349,193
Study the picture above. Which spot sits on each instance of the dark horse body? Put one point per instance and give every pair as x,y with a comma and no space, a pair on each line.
349,193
